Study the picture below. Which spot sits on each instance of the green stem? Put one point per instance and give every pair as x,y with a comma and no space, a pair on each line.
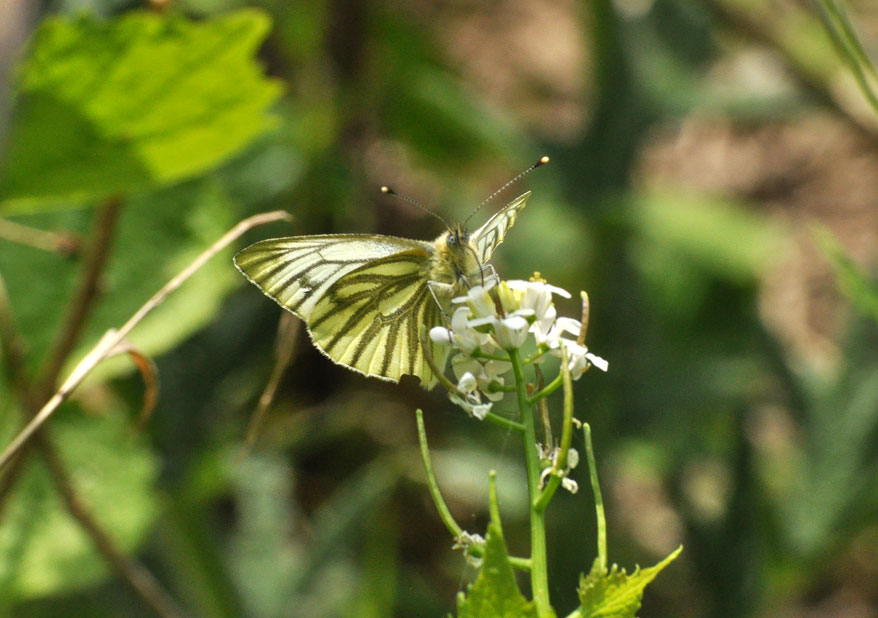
560,466
598,499
539,573
550,388
502,421
522,564
486,356
496,387
539,353
444,514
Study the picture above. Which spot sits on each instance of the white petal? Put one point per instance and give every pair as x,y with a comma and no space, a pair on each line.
479,324
480,411
440,334
568,325
463,364
598,362
511,333
559,291
467,383
572,458
494,368
481,302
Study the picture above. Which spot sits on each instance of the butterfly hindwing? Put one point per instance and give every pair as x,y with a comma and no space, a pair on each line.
369,318
297,271
492,233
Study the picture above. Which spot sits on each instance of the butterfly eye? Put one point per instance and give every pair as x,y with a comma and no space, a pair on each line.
451,240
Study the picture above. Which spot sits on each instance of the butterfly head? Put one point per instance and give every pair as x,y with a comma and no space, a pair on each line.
456,258
457,239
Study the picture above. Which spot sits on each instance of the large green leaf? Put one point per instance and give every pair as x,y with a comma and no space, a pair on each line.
110,107
495,593
43,550
615,593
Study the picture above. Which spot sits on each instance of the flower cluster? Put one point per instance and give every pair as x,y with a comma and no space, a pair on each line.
467,542
492,320
549,457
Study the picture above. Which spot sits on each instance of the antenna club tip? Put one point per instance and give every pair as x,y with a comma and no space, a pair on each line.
543,160
386,189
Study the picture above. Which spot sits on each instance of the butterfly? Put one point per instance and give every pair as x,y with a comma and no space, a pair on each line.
364,297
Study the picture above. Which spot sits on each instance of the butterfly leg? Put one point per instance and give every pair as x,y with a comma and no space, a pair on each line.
443,290
491,272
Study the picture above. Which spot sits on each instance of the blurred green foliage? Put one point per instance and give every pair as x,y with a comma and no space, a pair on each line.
113,107
728,421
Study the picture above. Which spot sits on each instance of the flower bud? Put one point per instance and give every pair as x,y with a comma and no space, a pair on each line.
511,332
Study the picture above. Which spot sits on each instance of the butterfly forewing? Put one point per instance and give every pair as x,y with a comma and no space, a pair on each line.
364,297
369,319
297,271
492,233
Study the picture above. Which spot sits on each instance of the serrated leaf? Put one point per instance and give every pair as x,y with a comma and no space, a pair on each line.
108,107
495,593
616,594
43,550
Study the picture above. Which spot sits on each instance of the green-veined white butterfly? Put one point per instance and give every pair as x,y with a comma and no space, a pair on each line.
363,297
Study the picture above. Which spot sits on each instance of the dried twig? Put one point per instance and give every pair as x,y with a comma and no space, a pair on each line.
112,338
287,330
84,298
65,243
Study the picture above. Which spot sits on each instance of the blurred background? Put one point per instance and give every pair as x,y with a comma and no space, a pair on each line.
713,186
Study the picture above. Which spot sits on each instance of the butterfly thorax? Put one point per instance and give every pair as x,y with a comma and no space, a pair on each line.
455,260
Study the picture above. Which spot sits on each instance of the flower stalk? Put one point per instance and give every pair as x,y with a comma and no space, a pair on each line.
598,499
493,331
539,573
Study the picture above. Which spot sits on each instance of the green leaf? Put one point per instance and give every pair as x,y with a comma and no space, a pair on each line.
495,593
42,549
615,594
108,107
857,287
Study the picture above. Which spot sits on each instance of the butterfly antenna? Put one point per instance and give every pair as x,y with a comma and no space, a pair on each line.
543,160
413,202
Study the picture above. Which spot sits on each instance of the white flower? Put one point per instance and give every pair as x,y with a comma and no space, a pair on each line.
440,334
533,299
485,373
479,301
462,335
466,542
469,398
510,333
551,469
467,383
487,320
477,410
579,359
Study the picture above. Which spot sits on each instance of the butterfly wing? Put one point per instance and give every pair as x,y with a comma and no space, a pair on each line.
362,297
297,271
369,319
492,233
